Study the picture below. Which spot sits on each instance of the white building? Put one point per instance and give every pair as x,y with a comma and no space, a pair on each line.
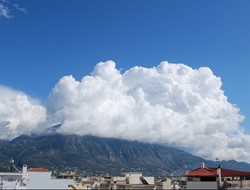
9,180
40,178
137,178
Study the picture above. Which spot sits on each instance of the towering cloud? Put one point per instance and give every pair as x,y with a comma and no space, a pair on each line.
170,103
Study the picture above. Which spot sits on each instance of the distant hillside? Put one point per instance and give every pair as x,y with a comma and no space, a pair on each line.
94,155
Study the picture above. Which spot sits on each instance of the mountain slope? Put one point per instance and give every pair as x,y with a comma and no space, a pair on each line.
94,155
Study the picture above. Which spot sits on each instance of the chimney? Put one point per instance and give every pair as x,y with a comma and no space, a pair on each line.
24,172
219,176
203,165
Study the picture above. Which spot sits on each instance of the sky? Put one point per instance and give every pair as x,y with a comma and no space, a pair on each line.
153,71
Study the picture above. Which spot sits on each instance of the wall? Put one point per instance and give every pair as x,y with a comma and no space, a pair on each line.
150,180
201,185
166,184
42,180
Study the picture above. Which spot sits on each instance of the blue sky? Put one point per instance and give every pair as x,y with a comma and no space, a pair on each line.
44,40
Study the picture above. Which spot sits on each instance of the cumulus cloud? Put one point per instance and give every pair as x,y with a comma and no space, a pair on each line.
171,104
19,113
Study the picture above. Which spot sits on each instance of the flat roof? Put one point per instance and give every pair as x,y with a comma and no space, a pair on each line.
38,170
10,174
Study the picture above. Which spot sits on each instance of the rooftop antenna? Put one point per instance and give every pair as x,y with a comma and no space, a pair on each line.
217,162
203,161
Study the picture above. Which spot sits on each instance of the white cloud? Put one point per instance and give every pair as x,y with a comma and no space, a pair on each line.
19,113
20,8
4,11
170,103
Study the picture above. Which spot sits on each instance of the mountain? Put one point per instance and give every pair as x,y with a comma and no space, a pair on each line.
3,157
90,155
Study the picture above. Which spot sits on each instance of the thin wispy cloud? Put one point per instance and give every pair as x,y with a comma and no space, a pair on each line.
20,8
4,11
7,9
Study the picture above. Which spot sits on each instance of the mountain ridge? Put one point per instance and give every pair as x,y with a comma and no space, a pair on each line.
90,155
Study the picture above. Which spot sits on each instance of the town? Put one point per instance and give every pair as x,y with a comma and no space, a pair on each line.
200,178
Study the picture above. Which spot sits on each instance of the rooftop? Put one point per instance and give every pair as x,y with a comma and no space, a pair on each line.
38,170
211,172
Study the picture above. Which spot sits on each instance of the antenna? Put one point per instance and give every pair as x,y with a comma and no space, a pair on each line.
217,161
203,159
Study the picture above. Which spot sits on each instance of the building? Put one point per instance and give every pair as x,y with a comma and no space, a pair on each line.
9,180
217,178
15,179
41,178
128,180
33,178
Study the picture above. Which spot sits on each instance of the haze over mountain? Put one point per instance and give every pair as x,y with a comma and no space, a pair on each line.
91,155
171,104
